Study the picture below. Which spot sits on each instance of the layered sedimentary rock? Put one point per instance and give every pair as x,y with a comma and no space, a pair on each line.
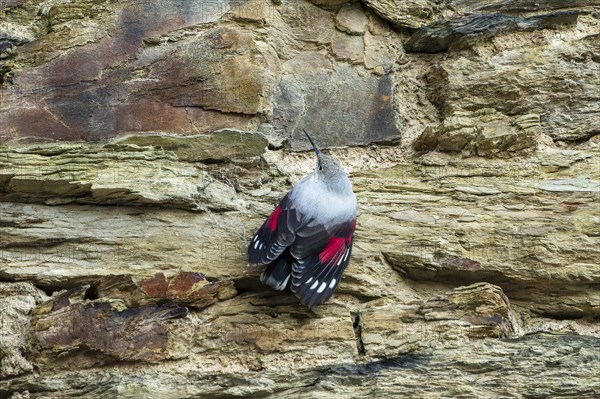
450,253
142,143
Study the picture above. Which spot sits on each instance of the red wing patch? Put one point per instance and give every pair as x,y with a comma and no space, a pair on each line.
316,276
276,234
335,246
273,219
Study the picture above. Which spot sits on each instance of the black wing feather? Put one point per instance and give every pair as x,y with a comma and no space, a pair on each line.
313,278
267,244
278,273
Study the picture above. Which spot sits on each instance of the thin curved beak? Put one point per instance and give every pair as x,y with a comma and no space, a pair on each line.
317,150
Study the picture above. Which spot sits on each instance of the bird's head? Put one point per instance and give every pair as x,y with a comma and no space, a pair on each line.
329,170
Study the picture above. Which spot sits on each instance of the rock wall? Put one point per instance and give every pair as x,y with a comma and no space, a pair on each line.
143,142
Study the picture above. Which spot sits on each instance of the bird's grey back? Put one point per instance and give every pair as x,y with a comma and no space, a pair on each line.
315,199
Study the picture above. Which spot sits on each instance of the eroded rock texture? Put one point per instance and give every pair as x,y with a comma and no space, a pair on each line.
143,142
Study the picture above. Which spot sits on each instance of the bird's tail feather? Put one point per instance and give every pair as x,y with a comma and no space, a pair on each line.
277,274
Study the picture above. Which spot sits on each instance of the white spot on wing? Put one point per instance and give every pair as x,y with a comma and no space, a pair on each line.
332,284
312,287
281,286
308,281
271,281
346,256
256,244
322,287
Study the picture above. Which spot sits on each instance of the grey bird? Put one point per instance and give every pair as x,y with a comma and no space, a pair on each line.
306,242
